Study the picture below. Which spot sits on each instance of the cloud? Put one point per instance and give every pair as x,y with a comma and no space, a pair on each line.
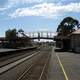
2,9
46,10
12,3
31,1
16,2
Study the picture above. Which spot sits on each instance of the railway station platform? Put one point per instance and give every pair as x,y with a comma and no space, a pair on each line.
54,70
64,66
5,50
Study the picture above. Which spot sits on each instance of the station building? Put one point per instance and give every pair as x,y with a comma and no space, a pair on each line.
70,42
75,41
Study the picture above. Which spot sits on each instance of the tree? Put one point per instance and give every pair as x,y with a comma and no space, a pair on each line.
67,26
20,30
22,33
11,36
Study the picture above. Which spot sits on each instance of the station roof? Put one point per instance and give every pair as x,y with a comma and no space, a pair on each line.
76,32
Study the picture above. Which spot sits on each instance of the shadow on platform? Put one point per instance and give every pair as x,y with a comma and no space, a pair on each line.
60,50
63,50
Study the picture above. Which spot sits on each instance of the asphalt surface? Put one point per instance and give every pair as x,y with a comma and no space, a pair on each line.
64,66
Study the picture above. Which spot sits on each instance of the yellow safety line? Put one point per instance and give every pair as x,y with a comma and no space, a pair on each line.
61,65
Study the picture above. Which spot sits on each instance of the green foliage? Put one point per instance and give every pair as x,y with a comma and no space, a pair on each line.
11,34
13,39
67,26
20,30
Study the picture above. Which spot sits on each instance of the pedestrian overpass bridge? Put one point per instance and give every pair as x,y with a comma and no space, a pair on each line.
38,35
48,35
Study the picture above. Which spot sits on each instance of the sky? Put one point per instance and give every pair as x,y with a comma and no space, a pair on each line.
36,15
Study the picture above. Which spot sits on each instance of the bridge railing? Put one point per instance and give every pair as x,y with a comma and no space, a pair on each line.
41,34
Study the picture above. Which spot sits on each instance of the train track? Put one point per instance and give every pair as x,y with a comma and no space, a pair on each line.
32,67
37,70
12,58
8,66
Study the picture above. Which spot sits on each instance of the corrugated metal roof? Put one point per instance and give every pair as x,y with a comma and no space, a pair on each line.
76,32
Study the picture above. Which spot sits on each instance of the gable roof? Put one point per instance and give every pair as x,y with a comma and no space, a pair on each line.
76,32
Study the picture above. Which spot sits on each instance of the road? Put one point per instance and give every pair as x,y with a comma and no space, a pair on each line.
64,66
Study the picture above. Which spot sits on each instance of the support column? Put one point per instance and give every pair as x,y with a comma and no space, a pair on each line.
38,36
47,35
32,34
41,34
50,35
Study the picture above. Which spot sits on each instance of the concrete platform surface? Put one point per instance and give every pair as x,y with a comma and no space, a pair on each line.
64,66
4,50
